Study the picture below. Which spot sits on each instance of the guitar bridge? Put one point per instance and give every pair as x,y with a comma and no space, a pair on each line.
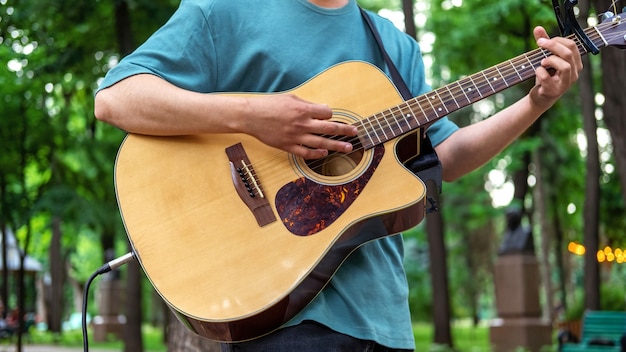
247,185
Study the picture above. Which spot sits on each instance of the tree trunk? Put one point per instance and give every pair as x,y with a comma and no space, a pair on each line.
4,213
133,341
541,215
409,22
592,184
592,194
436,243
559,252
181,339
57,276
438,272
614,74
123,28
5,275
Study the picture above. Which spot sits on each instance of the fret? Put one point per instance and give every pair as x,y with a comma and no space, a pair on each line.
523,67
496,79
515,69
366,134
419,104
458,83
373,129
381,127
467,86
393,114
442,101
419,119
530,62
475,86
411,114
428,98
452,96
413,119
488,81
503,78
601,36
525,70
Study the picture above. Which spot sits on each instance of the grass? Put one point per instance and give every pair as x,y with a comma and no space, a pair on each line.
466,338
152,340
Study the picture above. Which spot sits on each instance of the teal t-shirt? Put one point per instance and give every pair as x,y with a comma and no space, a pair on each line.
272,46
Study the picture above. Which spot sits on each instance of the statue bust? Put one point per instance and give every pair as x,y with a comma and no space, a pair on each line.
517,238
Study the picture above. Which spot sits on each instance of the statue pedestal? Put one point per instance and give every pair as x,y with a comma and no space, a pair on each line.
517,302
110,300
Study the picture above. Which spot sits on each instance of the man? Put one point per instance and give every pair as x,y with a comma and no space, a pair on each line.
273,46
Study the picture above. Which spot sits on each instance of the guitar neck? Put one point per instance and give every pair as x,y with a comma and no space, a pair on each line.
427,108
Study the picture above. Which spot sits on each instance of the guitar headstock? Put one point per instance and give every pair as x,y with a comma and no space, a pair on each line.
613,30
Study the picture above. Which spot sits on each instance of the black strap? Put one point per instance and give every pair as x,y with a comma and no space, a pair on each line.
568,24
396,77
426,165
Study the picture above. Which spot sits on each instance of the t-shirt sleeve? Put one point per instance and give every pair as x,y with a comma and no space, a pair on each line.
441,130
181,52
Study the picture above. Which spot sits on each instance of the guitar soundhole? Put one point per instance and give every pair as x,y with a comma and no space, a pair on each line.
336,164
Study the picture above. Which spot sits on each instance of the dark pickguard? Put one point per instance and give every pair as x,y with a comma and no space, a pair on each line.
306,207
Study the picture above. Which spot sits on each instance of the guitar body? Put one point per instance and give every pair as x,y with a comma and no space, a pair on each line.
234,267
238,237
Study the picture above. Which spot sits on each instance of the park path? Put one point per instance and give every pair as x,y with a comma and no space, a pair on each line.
44,348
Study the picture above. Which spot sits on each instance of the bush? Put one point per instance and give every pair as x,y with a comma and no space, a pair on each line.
611,298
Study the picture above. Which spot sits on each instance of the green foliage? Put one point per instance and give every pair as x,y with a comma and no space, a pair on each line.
417,266
612,299
56,161
466,338
153,340
377,5
469,37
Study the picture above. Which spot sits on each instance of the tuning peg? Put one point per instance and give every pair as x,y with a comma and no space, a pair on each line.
607,15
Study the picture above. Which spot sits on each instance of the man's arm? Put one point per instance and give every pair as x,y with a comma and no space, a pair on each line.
472,146
147,104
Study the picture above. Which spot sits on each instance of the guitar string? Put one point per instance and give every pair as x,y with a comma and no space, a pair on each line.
473,81
377,122
470,82
538,53
450,97
480,84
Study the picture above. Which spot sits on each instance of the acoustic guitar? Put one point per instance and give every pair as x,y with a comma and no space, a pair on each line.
238,237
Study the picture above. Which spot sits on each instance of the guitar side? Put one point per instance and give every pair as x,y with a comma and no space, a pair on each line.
225,275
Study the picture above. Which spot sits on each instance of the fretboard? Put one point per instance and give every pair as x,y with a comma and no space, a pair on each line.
427,108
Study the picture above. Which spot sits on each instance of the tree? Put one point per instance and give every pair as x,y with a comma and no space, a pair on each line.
180,338
435,232
592,186
612,65
60,160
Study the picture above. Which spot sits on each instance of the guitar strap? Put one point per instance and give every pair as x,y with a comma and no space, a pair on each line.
426,165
